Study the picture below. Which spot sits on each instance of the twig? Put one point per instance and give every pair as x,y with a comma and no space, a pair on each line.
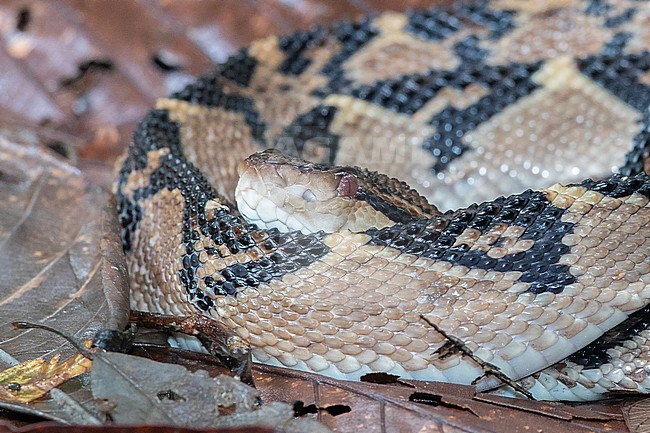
486,366
77,344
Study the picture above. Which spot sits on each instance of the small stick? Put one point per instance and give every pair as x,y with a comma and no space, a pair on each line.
72,340
486,366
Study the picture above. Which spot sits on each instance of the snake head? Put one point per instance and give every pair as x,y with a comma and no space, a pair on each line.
279,191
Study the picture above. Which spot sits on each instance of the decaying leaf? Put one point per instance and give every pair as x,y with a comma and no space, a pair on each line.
637,416
62,265
60,428
141,391
32,379
405,405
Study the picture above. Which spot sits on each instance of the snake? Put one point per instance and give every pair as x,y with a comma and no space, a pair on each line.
504,197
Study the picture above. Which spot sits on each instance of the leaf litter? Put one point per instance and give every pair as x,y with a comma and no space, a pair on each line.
66,269
59,234
142,391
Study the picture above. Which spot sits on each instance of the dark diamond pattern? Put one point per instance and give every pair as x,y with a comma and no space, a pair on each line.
208,91
295,48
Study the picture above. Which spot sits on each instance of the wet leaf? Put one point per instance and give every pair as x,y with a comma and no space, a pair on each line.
58,239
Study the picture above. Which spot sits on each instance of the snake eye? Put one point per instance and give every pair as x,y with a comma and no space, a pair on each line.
308,195
348,186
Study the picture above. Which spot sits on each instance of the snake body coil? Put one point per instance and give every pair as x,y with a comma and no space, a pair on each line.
475,104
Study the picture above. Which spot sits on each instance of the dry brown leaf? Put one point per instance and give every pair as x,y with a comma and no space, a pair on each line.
65,262
59,428
408,405
51,427
141,391
637,415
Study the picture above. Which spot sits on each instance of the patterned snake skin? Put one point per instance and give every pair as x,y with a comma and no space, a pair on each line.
488,102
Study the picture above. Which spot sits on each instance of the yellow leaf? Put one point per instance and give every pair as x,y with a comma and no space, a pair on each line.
32,379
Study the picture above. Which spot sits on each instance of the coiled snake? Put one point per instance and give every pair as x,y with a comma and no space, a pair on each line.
473,104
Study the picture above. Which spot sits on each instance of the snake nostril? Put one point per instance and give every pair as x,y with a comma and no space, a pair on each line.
348,186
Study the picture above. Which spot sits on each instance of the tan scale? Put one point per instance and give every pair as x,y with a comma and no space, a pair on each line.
396,52
388,142
639,29
456,98
551,33
266,85
479,310
582,111
201,126
535,7
160,233
508,237
140,179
